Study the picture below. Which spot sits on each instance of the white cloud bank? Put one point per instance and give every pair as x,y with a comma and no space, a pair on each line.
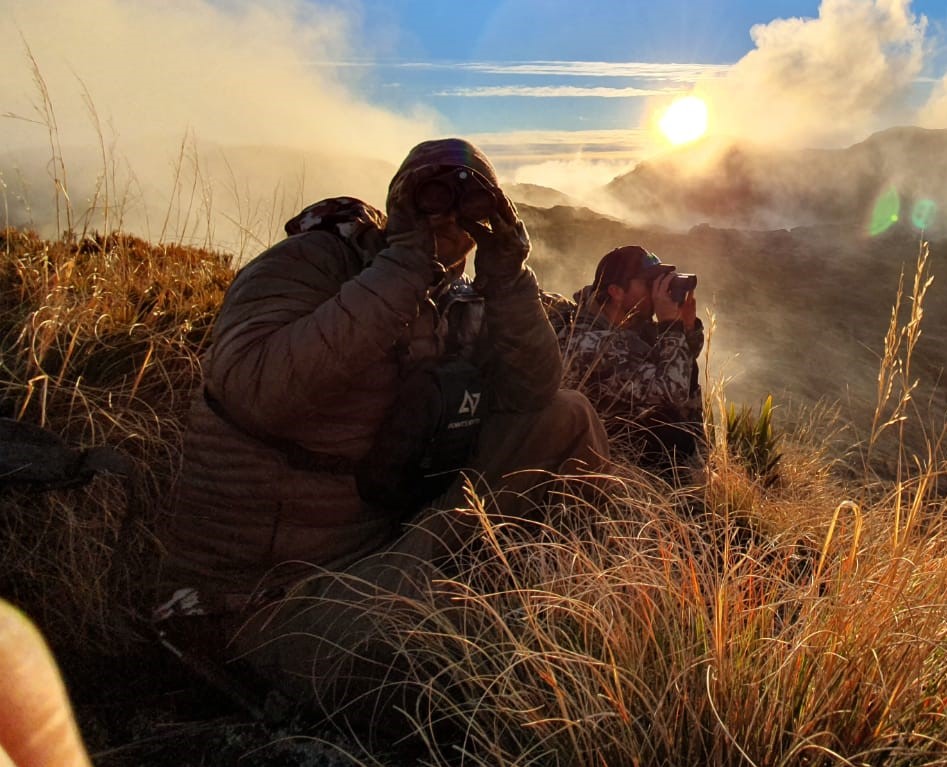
239,75
826,81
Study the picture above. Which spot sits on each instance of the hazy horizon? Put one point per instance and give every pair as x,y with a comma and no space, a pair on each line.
165,110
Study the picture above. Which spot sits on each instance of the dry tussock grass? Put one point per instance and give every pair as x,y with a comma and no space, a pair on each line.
99,340
717,620
727,621
625,631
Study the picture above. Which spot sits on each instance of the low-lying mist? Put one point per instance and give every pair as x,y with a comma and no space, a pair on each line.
801,314
214,113
233,198
896,175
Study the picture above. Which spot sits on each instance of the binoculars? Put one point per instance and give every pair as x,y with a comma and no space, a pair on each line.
681,285
459,190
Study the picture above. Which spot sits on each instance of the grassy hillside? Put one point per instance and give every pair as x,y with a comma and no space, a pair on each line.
788,616
99,341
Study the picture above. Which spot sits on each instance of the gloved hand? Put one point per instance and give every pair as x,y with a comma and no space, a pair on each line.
502,248
406,225
410,229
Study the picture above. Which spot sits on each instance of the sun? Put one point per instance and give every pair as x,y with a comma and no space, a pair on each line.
685,120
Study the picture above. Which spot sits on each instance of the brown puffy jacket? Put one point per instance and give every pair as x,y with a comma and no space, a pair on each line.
306,349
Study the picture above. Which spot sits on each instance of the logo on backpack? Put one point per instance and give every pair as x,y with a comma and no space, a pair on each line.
469,404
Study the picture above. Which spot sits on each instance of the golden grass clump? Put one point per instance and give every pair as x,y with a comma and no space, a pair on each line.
727,620
99,342
646,626
722,618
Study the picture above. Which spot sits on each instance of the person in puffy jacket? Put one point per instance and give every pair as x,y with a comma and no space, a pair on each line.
632,347
307,478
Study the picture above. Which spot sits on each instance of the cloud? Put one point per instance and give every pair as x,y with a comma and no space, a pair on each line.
582,178
681,73
577,163
934,113
825,81
539,157
234,75
576,176
553,91
512,148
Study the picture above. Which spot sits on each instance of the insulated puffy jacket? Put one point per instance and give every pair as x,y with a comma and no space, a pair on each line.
308,350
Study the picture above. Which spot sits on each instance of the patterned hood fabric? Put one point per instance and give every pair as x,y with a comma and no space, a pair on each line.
355,221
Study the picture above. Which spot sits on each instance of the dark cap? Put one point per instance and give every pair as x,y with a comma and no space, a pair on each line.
449,152
620,266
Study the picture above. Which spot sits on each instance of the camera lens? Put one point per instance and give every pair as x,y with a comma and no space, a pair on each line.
681,285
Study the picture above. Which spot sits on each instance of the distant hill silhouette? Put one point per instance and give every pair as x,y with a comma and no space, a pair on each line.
740,185
540,196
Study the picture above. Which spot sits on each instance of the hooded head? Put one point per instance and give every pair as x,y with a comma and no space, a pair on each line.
445,152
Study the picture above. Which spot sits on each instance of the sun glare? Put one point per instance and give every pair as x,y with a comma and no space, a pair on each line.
685,120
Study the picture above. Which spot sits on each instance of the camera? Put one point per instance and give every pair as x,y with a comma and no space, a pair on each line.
681,285
459,189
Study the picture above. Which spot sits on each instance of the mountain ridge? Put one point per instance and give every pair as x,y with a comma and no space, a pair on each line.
732,184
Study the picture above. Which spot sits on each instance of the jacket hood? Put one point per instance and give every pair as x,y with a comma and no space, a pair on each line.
454,152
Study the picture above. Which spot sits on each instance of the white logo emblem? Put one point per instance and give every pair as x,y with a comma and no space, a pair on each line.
470,403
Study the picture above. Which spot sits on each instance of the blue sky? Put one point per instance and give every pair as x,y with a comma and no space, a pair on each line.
504,31
562,94
476,63
450,32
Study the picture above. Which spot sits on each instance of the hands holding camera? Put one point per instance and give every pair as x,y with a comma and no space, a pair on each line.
666,306
502,248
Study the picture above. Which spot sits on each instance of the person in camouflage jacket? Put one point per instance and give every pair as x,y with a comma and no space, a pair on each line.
633,350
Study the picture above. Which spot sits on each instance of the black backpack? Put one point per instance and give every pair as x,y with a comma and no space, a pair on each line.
427,438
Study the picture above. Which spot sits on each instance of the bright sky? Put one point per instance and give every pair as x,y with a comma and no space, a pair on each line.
547,69
559,92
497,65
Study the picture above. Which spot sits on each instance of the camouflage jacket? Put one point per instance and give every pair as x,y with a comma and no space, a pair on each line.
642,372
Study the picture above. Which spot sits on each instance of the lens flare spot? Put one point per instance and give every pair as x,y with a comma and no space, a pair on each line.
886,212
685,120
924,214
